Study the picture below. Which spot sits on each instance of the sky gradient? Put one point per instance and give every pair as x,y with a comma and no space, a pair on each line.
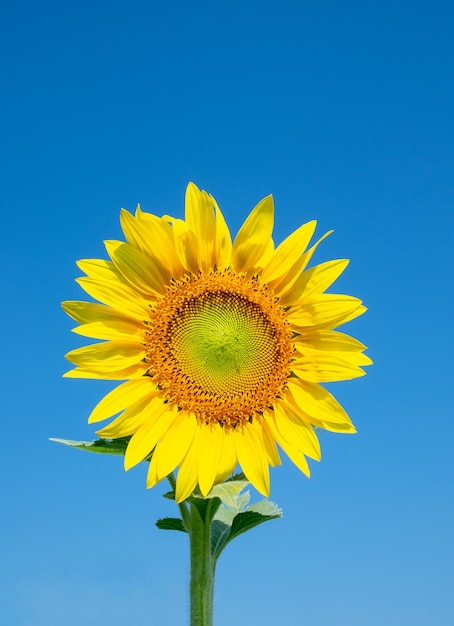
344,114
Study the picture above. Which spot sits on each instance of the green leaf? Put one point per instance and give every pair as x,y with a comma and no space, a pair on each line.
222,534
229,494
234,516
239,476
171,523
206,507
265,507
219,537
101,446
225,515
247,520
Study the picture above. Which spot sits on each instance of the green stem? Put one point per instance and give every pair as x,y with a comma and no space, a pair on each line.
202,563
202,569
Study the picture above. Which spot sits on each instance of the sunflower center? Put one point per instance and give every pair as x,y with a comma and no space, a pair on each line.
219,346
223,342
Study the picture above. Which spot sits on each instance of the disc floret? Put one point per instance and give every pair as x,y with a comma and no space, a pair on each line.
220,346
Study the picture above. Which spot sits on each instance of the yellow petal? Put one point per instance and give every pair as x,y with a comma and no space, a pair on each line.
268,440
307,256
187,472
191,207
92,312
105,271
228,460
296,431
210,447
351,316
152,479
144,273
252,456
153,236
132,233
359,359
121,397
117,296
186,245
317,402
112,329
174,444
324,369
107,356
352,358
283,285
158,418
132,419
314,281
134,371
253,238
339,426
288,252
325,310
295,455
200,218
331,340
264,259
223,245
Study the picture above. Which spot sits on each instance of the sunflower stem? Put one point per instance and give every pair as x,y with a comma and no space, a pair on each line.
202,568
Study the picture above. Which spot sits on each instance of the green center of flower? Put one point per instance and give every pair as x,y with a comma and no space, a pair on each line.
223,343
219,347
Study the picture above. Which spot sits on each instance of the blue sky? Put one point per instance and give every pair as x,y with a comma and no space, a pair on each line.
343,111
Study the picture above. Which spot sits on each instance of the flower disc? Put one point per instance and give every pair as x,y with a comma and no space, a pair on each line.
220,347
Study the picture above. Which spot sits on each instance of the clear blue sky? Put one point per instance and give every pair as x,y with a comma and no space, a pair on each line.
344,112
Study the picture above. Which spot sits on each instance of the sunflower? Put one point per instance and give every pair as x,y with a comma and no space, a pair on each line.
222,346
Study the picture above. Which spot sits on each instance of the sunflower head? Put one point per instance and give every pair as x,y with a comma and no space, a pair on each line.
222,346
